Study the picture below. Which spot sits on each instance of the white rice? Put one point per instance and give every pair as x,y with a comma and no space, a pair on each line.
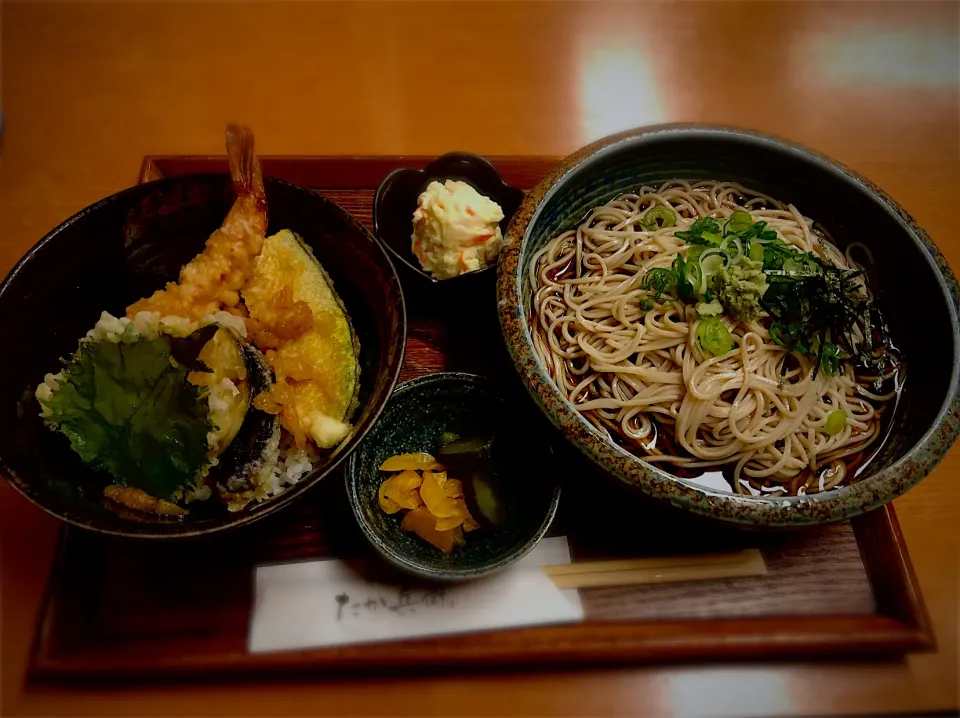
221,398
151,324
201,494
292,465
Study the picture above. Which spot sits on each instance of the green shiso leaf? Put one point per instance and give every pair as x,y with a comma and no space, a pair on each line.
128,409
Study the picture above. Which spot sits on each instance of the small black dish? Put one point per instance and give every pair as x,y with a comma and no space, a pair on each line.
413,420
396,200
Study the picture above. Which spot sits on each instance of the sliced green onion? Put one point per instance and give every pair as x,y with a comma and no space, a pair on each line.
775,253
829,357
756,252
712,238
659,280
835,422
732,247
793,268
739,221
710,264
754,230
658,217
646,305
693,274
702,224
714,337
685,289
780,334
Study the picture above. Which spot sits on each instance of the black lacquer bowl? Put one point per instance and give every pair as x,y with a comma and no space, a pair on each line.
415,417
918,293
396,200
125,247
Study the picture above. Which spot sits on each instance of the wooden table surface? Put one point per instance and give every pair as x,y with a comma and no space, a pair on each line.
88,89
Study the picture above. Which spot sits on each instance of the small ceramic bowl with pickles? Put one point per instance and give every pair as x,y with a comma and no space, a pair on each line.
451,483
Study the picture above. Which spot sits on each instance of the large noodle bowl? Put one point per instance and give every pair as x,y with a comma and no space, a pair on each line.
710,328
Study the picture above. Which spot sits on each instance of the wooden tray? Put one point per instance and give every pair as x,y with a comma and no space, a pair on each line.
119,610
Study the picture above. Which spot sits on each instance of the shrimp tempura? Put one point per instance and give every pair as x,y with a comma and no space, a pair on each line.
212,280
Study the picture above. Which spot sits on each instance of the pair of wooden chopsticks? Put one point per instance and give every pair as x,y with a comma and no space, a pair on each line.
629,572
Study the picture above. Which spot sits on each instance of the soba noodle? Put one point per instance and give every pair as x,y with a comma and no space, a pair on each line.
758,410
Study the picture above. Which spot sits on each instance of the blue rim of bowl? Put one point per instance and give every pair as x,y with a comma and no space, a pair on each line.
426,170
399,560
291,494
834,505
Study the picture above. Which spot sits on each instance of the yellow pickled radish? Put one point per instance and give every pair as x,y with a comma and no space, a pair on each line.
388,506
451,522
453,488
434,505
469,524
410,462
402,489
434,495
423,523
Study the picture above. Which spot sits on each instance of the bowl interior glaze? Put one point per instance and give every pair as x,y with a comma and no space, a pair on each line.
127,246
919,298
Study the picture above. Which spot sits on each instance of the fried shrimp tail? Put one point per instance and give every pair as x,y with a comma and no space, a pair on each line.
212,280
244,166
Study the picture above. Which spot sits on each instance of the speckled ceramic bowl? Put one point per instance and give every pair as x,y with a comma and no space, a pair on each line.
909,265
417,413
396,200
